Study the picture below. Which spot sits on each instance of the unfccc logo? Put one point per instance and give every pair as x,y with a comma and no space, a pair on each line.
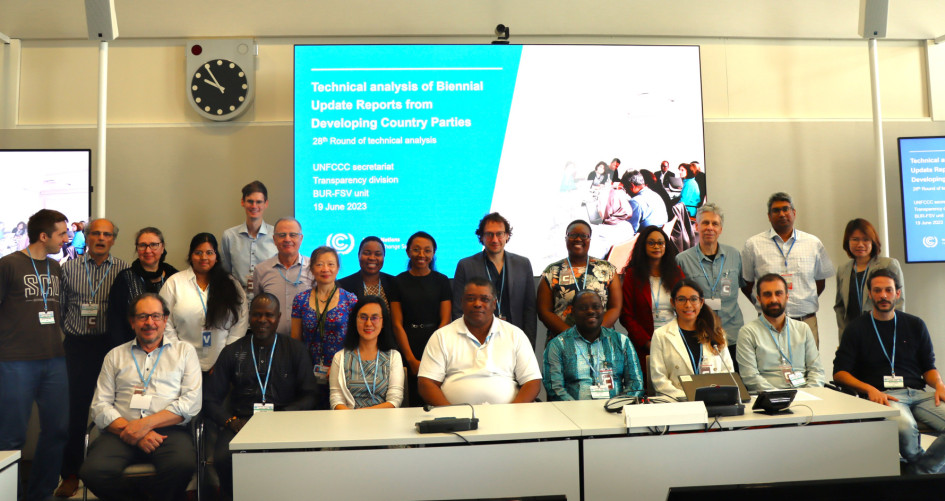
341,242
930,241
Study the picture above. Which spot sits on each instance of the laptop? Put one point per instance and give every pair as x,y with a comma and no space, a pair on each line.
691,383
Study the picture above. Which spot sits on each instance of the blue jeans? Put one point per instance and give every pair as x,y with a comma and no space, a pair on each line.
915,405
46,383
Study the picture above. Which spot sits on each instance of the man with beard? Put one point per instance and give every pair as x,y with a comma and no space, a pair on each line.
888,356
775,351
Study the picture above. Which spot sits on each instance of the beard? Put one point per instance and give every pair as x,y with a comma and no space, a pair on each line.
773,309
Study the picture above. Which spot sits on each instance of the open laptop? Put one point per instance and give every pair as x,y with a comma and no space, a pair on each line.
691,383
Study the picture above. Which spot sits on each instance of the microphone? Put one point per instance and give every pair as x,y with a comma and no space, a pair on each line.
448,424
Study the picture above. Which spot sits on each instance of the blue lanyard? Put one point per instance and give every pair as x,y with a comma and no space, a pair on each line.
595,368
859,285
370,389
587,270
252,350
776,244
892,361
787,329
707,281
88,276
143,380
42,289
695,368
200,295
298,279
498,310
656,296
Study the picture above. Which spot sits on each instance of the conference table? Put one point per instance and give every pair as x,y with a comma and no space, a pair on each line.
8,473
572,448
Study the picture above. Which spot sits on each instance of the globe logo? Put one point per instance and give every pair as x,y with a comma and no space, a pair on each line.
930,241
341,242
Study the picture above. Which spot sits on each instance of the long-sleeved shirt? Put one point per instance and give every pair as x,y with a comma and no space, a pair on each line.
759,357
174,383
291,387
571,365
84,282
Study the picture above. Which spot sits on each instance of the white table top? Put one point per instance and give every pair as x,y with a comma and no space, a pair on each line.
8,457
383,427
591,417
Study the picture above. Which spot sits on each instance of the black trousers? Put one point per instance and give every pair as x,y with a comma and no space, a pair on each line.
84,356
175,461
223,461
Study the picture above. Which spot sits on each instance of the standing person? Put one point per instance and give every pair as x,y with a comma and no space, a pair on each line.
423,305
32,360
78,239
693,343
797,256
85,285
146,274
562,280
208,307
369,280
287,274
717,268
510,274
690,196
369,373
861,243
246,245
320,316
650,275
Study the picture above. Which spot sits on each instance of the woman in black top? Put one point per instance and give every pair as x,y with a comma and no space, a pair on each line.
370,280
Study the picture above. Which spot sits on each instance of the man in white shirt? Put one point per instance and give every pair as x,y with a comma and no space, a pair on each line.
797,256
246,245
479,358
147,390
287,274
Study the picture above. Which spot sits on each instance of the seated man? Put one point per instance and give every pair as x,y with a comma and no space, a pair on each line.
149,388
775,351
478,358
292,385
590,361
892,364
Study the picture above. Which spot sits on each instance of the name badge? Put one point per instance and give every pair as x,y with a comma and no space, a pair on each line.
260,407
46,318
797,379
599,391
714,303
607,378
789,278
139,400
207,339
321,373
726,287
249,282
705,367
88,309
893,382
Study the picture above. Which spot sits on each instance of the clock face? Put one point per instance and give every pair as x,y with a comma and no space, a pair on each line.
219,88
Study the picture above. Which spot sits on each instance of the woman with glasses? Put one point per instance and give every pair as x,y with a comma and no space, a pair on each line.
562,280
146,274
368,373
208,306
650,275
693,343
861,243
370,280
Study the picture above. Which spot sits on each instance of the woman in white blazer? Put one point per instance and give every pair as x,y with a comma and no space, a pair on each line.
861,243
693,343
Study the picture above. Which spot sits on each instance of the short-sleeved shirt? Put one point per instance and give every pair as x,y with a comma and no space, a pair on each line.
420,298
720,277
323,345
564,285
802,260
860,353
22,337
285,283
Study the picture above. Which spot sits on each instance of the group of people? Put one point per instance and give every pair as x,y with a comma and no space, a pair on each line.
253,319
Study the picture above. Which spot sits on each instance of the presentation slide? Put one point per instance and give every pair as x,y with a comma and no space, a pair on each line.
393,139
922,163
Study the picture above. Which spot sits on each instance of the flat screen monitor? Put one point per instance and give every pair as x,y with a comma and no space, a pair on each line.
922,176
42,179
392,139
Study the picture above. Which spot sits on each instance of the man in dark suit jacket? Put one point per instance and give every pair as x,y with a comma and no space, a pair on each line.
511,275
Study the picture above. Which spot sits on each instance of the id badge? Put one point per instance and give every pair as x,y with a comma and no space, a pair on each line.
714,303
705,367
321,373
893,382
260,407
726,287
207,338
789,278
797,379
607,378
599,391
249,283
140,401
786,370
46,318
88,309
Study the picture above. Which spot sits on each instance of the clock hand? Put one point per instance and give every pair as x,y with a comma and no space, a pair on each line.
214,79
214,85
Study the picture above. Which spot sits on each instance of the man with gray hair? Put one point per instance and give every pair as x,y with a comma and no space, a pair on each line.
286,274
652,207
800,258
717,268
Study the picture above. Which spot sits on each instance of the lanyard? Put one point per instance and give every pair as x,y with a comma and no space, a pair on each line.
587,269
42,289
370,389
595,368
787,329
298,279
88,275
498,310
656,296
707,281
321,315
859,285
695,368
146,382
776,244
200,295
252,350
892,361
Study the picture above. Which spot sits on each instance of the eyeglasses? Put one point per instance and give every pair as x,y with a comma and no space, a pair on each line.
578,236
293,236
153,246
494,234
655,243
209,253
690,299
364,318
141,317
778,210
101,234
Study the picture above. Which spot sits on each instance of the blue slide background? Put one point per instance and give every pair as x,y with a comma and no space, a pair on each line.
923,197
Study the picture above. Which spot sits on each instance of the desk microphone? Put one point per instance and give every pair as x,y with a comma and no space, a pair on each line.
448,424
721,400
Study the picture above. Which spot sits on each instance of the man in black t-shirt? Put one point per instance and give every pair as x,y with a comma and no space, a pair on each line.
888,356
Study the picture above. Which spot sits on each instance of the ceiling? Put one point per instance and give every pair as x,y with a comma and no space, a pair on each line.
140,19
